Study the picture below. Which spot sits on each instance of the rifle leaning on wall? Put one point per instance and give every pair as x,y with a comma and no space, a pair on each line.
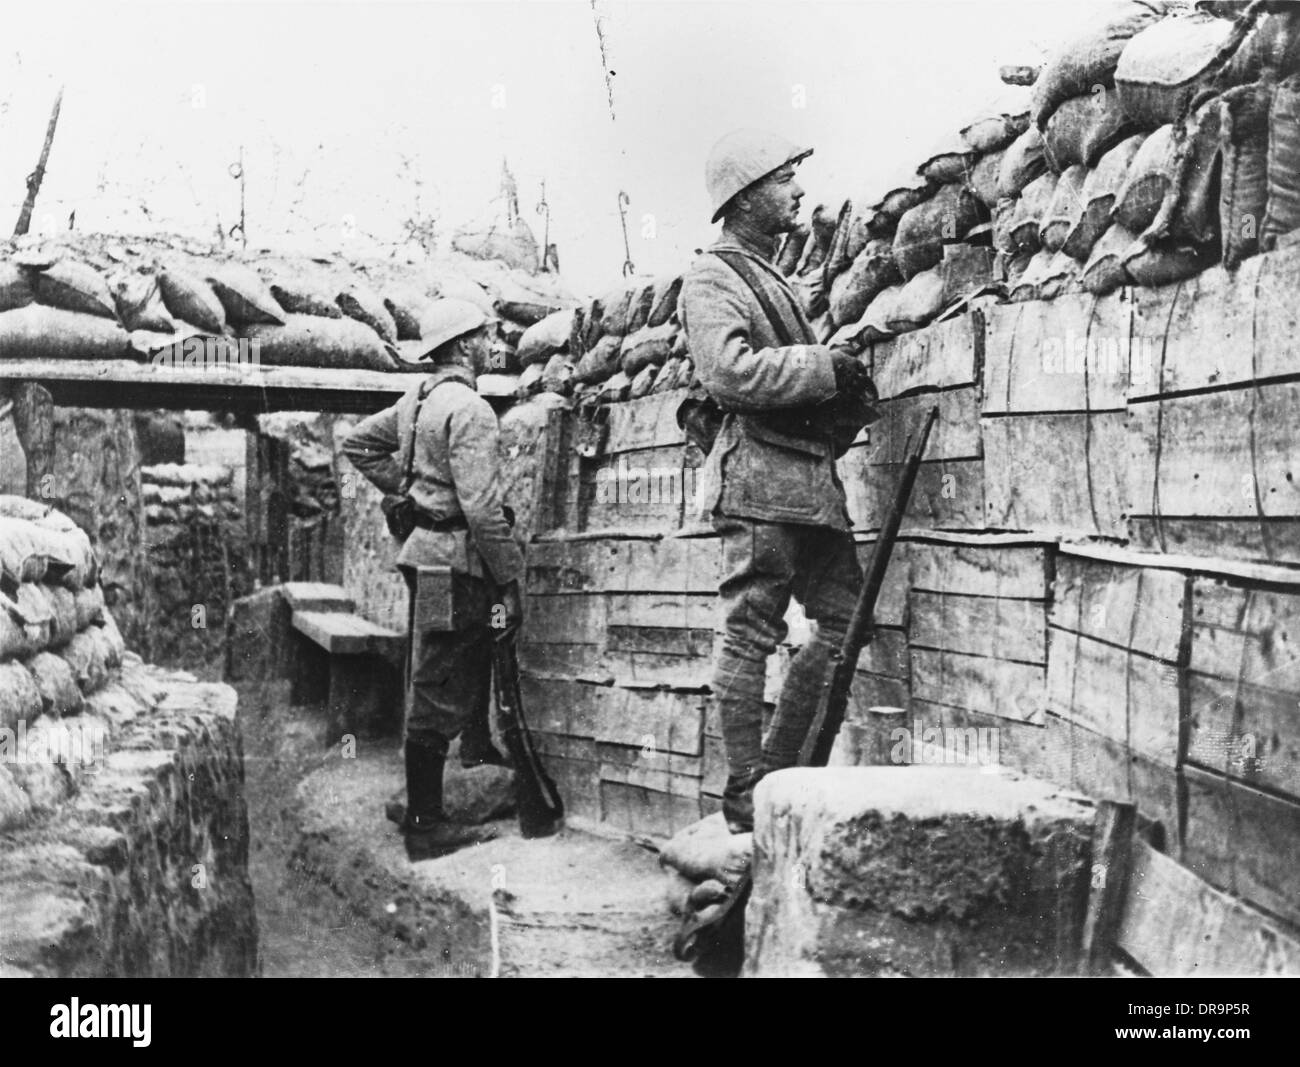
717,942
541,811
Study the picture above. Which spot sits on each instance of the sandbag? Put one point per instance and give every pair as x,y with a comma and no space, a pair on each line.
1010,267
995,132
15,804
406,308
545,338
791,252
1098,197
313,341
614,389
86,654
56,684
1091,55
139,303
1243,186
838,258
643,382
601,361
614,311
38,331
1270,46
1084,128
244,296
1167,63
75,286
951,163
1022,163
530,380
89,604
33,552
1104,271
648,346
666,291
639,305
189,297
1165,262
1148,180
15,640
899,198
1023,231
15,286
1048,275
707,849
983,180
666,379
1282,214
874,324
363,304
19,697
63,606
810,290
871,271
923,231
920,300
1190,209
300,295
507,239
967,270
557,375
1064,209
526,306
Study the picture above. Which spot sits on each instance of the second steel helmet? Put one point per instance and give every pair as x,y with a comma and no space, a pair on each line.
743,157
445,320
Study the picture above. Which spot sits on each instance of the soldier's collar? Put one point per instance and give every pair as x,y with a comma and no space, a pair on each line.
737,234
454,372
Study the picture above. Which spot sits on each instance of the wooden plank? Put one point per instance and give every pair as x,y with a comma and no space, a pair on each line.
1067,354
644,812
661,719
1129,698
942,355
579,618
886,654
687,611
1247,633
562,706
658,669
1221,328
670,565
585,662
1246,732
317,596
1140,608
1228,454
124,383
981,626
660,772
1244,841
1259,542
1178,926
663,640
583,748
891,605
713,766
1055,474
948,494
1216,567
646,422
341,634
650,490
977,683
1021,571
578,781
956,434
1112,850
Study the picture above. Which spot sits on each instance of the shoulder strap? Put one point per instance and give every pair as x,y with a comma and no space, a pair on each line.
426,387
743,267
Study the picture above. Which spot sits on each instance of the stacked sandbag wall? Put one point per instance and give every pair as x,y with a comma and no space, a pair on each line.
123,832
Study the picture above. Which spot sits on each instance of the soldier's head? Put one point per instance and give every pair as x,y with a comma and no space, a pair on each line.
750,175
453,332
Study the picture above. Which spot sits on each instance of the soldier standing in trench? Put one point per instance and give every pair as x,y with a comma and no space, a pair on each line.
445,435
790,406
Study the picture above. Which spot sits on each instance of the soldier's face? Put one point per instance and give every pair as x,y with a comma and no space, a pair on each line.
478,348
774,201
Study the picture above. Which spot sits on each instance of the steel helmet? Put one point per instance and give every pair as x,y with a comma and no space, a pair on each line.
743,157
443,321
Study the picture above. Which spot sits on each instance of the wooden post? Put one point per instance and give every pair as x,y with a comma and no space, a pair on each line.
34,425
1112,842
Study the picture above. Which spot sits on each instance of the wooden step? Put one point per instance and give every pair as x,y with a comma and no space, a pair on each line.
342,633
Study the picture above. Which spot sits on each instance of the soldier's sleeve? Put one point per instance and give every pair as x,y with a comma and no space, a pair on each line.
716,308
473,452
372,446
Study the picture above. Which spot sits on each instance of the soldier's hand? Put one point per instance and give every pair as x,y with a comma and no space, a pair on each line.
851,377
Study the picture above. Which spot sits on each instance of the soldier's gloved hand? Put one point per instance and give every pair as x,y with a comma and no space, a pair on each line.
851,377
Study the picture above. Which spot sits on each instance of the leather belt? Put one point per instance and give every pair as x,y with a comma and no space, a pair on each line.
456,522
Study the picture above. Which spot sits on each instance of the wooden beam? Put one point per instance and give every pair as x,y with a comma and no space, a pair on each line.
1112,841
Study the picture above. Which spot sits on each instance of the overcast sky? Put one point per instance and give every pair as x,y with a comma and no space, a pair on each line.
370,114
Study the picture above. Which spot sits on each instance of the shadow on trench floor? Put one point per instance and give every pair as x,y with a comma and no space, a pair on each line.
336,896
